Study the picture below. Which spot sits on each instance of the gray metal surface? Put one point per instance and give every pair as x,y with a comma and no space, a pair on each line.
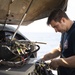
27,69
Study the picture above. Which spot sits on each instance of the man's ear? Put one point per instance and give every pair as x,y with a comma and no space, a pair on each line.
62,20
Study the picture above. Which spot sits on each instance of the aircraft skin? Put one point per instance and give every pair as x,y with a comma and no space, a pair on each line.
13,11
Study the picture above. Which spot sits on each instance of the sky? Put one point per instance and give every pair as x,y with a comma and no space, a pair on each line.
41,26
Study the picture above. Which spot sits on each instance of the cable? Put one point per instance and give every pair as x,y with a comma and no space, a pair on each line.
22,19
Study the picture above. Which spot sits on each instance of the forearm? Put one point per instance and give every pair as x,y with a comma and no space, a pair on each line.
67,62
55,53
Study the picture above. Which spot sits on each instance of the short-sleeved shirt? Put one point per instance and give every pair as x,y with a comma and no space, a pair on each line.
68,49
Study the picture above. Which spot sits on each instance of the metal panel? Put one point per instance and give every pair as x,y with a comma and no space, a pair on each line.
12,11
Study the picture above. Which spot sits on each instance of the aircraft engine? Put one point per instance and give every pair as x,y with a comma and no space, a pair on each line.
16,52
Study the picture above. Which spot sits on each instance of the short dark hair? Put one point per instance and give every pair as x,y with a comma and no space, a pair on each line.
56,15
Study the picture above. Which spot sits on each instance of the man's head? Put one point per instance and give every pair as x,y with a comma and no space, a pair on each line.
58,20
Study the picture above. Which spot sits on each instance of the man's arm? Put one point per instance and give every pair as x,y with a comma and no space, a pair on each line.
55,53
65,62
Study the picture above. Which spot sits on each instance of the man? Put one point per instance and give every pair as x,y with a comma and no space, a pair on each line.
65,65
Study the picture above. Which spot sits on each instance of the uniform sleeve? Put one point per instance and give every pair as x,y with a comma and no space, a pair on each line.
73,40
61,41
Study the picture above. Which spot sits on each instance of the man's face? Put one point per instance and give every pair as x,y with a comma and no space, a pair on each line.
59,26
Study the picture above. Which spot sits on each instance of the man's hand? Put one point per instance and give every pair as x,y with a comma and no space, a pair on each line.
54,64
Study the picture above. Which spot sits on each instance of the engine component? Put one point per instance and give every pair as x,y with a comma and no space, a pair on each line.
42,68
16,52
